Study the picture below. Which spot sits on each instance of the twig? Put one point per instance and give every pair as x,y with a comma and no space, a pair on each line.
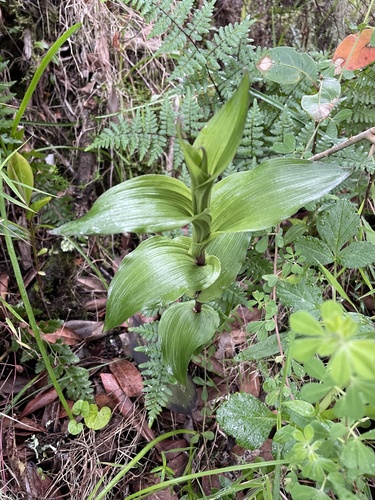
367,134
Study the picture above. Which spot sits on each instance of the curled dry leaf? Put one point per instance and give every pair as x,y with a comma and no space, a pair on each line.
86,330
68,336
125,405
40,401
250,381
23,424
128,376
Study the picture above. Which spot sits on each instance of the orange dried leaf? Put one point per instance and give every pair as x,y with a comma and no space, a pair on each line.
354,52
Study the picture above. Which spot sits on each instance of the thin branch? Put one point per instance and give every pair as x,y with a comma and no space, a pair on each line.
367,134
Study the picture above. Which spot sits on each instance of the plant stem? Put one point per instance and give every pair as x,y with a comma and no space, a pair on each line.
28,307
367,134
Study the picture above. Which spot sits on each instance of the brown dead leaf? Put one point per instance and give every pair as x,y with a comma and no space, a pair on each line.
24,424
125,405
13,385
96,304
210,483
40,401
38,484
68,336
91,282
250,381
148,480
128,376
4,281
104,400
86,330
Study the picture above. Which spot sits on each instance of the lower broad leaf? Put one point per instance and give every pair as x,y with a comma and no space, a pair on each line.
247,419
183,331
159,269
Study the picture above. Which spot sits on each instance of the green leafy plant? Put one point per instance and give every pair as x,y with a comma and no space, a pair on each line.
323,435
93,417
221,213
20,179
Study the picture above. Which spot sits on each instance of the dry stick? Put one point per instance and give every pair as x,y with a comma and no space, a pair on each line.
367,134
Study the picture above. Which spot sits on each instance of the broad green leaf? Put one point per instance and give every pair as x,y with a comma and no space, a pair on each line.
302,492
314,250
98,419
247,419
264,349
350,405
313,392
150,203
305,324
285,65
304,295
19,171
303,349
183,331
159,269
362,358
272,192
287,146
357,254
320,105
338,223
222,135
356,455
300,412
315,368
231,250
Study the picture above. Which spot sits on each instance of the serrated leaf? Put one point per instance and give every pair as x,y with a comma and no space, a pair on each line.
338,224
150,203
221,136
247,419
159,269
272,192
320,105
183,331
314,250
285,65
263,349
303,295
357,254
231,250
